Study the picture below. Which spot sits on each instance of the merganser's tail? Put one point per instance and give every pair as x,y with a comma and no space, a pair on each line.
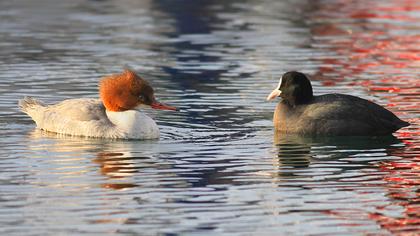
32,107
29,104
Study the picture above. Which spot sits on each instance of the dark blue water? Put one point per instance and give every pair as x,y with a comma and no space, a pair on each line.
218,168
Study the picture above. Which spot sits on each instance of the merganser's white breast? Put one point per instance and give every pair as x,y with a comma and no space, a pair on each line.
114,116
88,117
134,124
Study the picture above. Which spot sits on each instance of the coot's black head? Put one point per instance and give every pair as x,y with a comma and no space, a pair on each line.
294,87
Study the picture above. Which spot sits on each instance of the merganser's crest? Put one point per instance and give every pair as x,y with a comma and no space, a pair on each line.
125,91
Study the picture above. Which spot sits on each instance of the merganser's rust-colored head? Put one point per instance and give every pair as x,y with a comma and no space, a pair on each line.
126,91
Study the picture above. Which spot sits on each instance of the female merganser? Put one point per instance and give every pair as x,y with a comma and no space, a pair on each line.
331,114
113,117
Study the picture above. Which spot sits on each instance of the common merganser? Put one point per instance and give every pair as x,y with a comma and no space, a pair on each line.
115,115
331,114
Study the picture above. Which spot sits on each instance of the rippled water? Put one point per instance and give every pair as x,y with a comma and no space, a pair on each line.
218,168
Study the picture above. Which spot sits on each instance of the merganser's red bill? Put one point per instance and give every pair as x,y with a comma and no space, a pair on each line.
161,106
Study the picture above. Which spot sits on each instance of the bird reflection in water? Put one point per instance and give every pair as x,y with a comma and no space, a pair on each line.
121,168
295,153
318,162
117,167
292,153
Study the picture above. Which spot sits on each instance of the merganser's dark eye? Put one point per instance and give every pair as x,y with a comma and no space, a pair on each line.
141,97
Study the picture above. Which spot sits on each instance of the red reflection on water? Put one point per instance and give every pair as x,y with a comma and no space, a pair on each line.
376,47
114,165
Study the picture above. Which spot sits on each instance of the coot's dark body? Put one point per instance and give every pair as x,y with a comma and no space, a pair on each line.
300,112
336,114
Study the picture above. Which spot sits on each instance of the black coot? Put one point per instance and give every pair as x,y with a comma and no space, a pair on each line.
300,112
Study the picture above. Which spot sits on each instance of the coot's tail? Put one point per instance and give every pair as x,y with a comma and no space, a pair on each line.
402,124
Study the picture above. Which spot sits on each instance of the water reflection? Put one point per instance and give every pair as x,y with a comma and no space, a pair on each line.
370,49
116,166
348,164
296,153
375,44
215,169
122,163
141,164
198,68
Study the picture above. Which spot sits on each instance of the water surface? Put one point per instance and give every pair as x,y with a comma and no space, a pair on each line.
218,168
